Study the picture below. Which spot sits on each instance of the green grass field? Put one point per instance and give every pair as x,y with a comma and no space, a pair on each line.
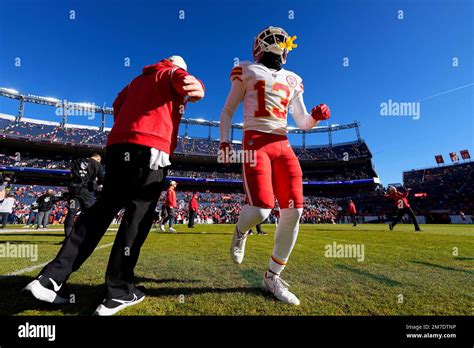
191,273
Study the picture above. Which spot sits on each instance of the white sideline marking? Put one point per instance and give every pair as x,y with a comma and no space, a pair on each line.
35,230
32,268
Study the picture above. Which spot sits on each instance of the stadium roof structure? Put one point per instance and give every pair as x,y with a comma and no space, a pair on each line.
439,167
66,107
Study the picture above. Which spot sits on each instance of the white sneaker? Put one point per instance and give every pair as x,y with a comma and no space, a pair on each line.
112,306
162,227
279,288
237,248
172,229
26,226
46,289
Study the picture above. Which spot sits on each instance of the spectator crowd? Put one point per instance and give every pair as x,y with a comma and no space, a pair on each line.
213,208
91,136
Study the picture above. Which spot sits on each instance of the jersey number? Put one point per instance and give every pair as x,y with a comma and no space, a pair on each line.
262,110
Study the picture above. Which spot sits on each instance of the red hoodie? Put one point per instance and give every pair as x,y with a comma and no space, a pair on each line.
352,208
148,110
171,198
193,204
399,198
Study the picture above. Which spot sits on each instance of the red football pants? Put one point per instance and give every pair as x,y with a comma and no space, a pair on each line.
271,169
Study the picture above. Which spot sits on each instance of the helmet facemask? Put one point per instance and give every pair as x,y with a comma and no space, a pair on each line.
270,40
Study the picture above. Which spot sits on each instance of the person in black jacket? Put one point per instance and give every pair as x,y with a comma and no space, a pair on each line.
45,205
87,176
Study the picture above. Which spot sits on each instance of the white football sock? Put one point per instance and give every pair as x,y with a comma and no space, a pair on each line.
285,238
251,216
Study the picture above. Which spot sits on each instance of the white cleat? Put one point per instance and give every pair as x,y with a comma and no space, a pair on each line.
237,248
162,227
172,230
279,288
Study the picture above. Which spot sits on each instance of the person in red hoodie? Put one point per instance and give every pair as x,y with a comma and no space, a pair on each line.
401,202
193,209
170,206
147,113
351,209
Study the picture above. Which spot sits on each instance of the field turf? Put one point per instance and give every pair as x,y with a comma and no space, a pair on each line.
191,273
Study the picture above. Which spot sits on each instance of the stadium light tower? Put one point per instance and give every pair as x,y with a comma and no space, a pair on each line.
9,90
21,109
64,114
102,126
357,131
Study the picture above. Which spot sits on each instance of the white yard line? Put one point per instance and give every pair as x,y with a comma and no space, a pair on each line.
24,270
32,268
32,230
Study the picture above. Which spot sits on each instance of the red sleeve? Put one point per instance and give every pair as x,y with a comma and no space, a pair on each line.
177,80
119,101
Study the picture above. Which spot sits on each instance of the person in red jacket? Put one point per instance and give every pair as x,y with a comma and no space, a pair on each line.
193,209
351,209
170,206
401,202
147,113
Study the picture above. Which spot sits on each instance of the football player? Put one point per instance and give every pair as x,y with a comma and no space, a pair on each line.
268,91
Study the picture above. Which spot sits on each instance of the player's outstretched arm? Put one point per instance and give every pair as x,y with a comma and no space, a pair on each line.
233,100
303,120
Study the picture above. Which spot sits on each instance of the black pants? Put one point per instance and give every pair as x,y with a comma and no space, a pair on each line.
81,202
410,213
129,184
258,227
353,220
4,218
192,216
169,217
42,219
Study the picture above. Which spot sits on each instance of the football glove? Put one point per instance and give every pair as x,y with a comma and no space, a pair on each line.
321,112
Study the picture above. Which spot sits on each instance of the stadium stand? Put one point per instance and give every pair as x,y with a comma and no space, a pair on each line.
186,145
213,207
38,153
448,188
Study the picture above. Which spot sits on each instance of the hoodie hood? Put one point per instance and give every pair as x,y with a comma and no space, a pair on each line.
151,69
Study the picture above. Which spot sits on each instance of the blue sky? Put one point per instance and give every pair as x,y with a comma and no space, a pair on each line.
403,60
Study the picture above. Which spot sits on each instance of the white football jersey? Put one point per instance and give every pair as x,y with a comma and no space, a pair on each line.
267,96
